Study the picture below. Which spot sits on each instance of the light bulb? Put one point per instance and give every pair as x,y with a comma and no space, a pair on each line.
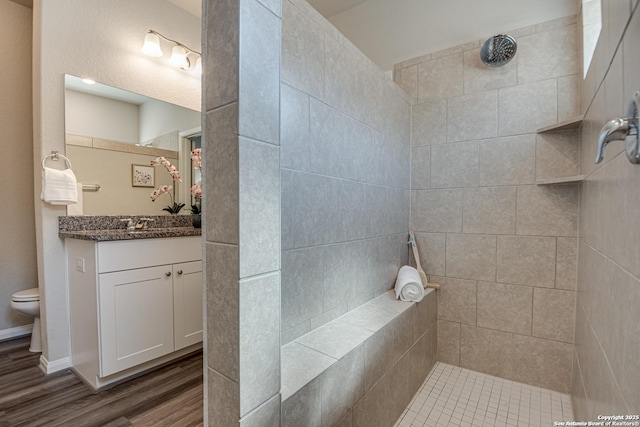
198,69
179,57
151,45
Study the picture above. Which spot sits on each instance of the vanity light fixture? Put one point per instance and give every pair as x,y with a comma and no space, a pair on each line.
88,81
179,54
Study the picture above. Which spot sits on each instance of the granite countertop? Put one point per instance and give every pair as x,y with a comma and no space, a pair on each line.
108,228
122,234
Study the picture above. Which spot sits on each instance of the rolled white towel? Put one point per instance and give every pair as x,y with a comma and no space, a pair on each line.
408,285
59,187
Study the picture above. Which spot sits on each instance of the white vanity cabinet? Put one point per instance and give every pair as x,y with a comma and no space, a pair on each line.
134,304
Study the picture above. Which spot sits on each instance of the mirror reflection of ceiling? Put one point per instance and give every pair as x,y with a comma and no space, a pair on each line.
392,31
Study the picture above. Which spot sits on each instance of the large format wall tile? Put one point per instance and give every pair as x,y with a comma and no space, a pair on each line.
429,123
267,415
508,161
342,386
525,108
303,55
223,333
222,50
440,78
304,408
489,210
524,260
473,116
566,263
471,256
542,363
505,307
421,168
485,350
431,248
457,300
454,165
315,211
301,285
294,125
569,97
407,79
554,314
547,211
259,100
548,54
479,77
221,203
557,154
449,342
259,199
259,340
437,210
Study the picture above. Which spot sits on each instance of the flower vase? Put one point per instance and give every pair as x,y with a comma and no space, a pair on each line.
196,220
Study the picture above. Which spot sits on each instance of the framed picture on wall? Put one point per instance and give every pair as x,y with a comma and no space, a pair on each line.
143,176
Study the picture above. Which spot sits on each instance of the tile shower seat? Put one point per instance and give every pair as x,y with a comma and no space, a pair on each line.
331,372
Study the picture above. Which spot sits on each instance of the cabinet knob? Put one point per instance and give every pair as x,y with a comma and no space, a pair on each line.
179,271
168,274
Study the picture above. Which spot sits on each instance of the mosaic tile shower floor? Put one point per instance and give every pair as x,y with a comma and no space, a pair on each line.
454,396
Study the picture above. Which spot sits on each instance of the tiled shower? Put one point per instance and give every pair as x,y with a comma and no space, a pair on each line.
323,165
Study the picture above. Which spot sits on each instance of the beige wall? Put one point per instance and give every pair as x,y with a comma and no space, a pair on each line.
112,171
502,247
18,253
606,367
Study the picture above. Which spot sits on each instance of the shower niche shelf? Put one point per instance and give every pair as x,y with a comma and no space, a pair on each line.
573,123
562,180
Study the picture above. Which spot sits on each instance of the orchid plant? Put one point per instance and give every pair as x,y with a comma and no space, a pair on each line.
196,189
173,208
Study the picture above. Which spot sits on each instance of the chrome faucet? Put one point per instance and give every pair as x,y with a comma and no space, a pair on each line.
624,130
130,225
141,224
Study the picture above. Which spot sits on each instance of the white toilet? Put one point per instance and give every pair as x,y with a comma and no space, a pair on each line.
27,302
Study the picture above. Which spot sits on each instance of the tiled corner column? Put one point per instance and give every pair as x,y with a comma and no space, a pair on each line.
242,211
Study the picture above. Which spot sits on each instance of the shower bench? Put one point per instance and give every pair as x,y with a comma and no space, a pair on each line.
361,369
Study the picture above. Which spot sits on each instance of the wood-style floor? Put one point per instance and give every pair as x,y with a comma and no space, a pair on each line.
169,396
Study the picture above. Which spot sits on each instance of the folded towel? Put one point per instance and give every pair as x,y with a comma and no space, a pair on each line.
408,285
78,208
59,187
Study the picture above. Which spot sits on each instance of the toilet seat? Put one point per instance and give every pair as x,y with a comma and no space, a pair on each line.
27,295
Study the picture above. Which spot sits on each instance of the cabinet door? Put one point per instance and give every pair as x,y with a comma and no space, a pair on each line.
136,317
187,303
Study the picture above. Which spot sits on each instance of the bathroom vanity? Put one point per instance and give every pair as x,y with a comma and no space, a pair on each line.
134,303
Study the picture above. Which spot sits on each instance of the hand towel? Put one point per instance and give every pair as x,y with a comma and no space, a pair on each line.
78,208
59,187
408,285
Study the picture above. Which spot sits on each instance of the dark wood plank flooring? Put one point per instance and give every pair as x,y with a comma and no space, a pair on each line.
168,396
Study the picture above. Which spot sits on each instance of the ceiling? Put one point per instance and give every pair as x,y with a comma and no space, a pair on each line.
392,31
329,8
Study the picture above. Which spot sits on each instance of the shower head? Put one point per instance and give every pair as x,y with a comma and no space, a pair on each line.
498,50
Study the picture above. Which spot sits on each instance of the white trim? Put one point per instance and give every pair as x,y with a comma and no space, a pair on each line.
55,365
18,331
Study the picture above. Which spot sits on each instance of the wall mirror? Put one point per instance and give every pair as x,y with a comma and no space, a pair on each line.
112,135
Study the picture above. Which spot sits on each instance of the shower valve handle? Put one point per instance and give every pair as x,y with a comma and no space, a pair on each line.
622,129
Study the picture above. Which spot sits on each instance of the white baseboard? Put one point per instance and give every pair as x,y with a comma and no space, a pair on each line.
55,365
18,331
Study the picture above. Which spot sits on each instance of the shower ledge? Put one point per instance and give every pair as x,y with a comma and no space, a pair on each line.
311,355
569,124
561,180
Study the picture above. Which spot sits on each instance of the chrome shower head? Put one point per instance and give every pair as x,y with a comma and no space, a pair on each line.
498,50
